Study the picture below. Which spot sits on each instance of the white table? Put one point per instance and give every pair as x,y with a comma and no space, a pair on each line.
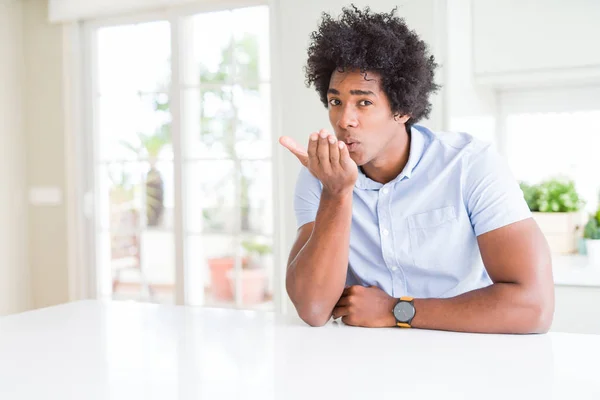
95,350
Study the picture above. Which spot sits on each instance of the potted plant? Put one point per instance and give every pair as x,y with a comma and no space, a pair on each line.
555,206
253,274
220,277
591,233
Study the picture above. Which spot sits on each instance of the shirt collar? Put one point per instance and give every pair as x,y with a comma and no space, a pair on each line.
417,148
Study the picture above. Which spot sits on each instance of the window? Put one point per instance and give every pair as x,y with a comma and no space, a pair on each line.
552,133
205,158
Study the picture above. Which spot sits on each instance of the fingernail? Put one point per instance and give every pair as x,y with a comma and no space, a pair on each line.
341,145
331,139
314,137
323,134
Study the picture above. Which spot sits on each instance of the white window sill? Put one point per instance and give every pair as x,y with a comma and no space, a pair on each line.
575,270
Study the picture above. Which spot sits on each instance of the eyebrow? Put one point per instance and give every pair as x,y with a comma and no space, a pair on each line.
353,92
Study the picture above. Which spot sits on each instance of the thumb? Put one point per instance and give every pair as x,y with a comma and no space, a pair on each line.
295,149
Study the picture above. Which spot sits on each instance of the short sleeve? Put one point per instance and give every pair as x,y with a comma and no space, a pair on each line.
492,194
306,197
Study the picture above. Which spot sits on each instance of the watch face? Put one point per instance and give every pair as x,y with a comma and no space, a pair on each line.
404,311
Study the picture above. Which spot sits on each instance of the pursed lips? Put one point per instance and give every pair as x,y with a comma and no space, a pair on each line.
352,144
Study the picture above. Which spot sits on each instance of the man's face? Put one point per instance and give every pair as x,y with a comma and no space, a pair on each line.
360,114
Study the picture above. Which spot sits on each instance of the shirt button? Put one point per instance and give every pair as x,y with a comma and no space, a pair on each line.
386,232
394,268
385,190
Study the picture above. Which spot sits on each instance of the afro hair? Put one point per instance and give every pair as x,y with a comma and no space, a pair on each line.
374,42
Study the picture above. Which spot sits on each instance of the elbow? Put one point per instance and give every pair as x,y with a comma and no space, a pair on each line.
542,314
314,315
311,310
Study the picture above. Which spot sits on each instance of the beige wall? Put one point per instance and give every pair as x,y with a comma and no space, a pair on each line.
44,141
15,292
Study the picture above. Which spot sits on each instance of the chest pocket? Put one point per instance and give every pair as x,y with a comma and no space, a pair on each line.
431,236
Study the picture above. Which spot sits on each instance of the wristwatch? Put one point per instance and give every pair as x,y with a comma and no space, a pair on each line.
404,312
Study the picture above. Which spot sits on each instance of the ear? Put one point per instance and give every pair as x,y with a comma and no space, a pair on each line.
401,119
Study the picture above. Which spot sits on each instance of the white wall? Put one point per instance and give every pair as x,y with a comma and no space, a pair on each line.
14,275
468,107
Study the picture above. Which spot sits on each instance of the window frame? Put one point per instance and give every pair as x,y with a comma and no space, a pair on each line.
84,266
549,99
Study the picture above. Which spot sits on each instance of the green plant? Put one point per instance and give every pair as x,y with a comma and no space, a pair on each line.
532,195
554,195
592,228
254,247
255,250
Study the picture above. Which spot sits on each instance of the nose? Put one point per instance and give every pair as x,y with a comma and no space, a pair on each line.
348,118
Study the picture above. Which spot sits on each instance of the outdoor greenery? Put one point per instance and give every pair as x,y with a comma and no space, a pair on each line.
222,128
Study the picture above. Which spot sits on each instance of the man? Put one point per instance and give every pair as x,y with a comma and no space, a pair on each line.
399,226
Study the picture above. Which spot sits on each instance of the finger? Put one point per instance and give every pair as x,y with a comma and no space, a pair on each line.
344,301
334,151
340,312
295,148
350,290
312,147
323,151
345,159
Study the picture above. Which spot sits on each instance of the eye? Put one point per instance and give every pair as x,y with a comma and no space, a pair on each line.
364,103
334,102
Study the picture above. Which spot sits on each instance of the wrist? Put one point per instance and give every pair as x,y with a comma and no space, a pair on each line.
390,318
337,194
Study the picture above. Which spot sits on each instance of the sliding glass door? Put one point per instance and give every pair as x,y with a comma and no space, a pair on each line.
182,169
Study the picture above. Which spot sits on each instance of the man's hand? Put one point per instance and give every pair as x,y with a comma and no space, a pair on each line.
327,159
370,307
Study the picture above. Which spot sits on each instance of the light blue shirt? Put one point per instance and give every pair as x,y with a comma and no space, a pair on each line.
417,234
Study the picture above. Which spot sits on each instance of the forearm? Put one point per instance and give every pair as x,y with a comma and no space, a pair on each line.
317,275
499,308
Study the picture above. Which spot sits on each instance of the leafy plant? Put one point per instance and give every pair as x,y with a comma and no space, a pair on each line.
257,248
150,145
592,228
532,195
554,195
